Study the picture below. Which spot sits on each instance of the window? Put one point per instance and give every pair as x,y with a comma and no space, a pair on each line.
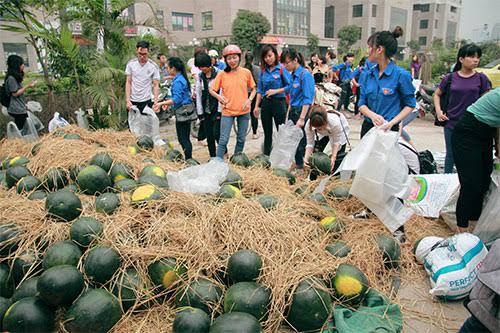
451,33
424,7
206,21
424,24
357,10
373,30
453,9
437,7
422,40
21,49
436,24
182,22
374,10
160,17
329,22
292,17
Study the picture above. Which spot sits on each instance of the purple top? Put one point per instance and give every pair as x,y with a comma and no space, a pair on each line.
463,92
416,69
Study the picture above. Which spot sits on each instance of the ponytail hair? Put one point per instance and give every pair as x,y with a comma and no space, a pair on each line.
292,54
468,50
248,61
318,117
179,66
387,40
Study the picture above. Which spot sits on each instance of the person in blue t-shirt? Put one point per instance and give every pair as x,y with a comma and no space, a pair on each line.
387,94
273,82
355,77
181,96
345,72
301,91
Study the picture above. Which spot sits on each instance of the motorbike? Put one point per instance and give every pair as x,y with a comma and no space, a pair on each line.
425,102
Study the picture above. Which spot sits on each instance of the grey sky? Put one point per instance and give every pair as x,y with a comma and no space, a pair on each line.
475,13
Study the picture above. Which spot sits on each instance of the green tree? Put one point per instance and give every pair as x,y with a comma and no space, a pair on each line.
348,35
413,45
249,28
490,52
312,43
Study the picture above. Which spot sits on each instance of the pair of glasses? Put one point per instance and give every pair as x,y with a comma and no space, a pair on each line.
142,54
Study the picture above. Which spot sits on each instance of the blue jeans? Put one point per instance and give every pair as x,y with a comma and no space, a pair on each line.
294,115
226,125
409,118
449,161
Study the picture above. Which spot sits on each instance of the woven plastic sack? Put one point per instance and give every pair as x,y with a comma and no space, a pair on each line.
285,146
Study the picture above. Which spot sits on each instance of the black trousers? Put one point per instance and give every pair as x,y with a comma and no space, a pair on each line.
183,129
211,123
472,144
255,120
473,325
368,125
142,105
358,94
319,146
271,108
19,119
345,95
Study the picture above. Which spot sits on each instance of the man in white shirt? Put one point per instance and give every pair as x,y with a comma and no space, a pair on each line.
142,74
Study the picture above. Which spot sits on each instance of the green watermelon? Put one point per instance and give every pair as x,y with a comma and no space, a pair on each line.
144,193
107,203
236,322
391,250
191,320
318,197
56,178
153,170
201,293
145,142
244,265
321,162
14,174
6,281
74,171
332,224
285,174
310,307
233,178
37,195
36,148
125,185
27,262
121,171
350,284
165,272
17,161
228,192
27,288
96,310
29,314
249,297
262,161
240,159
28,184
127,287
267,201
8,238
93,179
63,205
61,253
84,230
60,285
101,263
153,180
5,303
133,150
338,249
339,192
103,160
72,136
173,155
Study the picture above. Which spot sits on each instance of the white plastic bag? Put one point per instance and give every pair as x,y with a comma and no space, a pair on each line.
453,266
145,123
285,146
81,119
12,131
36,122
28,133
381,177
201,179
488,226
56,122
34,106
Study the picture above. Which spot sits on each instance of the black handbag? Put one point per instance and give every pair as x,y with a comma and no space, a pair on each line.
444,101
186,112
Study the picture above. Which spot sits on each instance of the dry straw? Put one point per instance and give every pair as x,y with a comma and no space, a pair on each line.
203,233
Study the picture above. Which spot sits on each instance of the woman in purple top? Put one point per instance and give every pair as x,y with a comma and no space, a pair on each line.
466,86
415,67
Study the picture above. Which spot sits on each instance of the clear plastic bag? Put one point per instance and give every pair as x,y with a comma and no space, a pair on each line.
145,123
81,119
285,146
57,122
34,106
12,131
488,226
27,133
200,179
36,122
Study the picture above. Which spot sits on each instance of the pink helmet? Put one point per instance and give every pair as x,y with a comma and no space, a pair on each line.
231,49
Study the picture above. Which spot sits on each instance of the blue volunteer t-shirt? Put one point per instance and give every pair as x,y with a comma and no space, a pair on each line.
275,79
181,94
301,89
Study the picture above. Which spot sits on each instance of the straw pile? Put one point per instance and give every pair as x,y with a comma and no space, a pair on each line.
203,233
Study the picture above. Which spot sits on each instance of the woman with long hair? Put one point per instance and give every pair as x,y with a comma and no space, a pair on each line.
415,67
321,72
231,90
463,87
181,102
14,88
271,102
255,70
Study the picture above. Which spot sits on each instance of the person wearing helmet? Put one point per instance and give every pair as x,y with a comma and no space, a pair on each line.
214,55
234,82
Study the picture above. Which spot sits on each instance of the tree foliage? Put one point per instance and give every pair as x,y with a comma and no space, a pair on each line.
312,43
414,45
249,28
348,36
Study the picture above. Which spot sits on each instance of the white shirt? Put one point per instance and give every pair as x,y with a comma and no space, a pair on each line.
337,130
410,155
142,76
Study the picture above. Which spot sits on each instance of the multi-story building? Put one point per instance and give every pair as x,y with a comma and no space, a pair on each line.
436,19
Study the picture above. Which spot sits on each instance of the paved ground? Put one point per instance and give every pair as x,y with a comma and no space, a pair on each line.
415,298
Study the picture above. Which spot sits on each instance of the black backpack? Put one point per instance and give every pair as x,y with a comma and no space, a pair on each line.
427,163
4,95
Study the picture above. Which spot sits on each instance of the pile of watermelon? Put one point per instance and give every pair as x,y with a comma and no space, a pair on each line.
113,244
